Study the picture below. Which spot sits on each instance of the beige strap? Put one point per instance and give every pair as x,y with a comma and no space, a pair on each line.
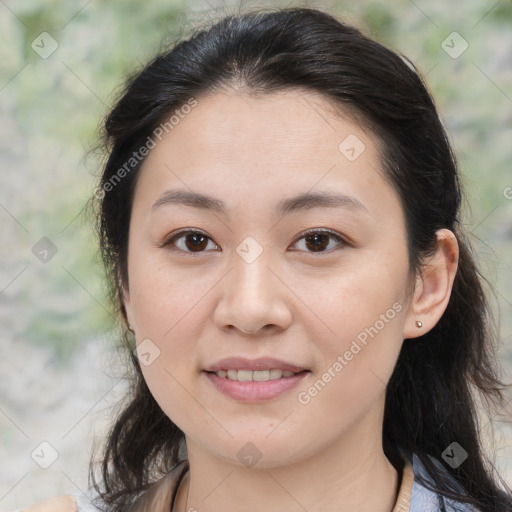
403,502
63,503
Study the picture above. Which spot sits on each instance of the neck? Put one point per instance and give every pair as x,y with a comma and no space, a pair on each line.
350,474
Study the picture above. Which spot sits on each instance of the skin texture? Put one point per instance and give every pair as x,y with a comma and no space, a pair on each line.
291,303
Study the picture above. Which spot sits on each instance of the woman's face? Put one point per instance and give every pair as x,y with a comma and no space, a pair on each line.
250,284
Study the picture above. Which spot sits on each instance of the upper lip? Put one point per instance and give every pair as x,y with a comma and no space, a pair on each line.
262,363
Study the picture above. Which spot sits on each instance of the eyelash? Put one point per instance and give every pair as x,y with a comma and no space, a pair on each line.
175,236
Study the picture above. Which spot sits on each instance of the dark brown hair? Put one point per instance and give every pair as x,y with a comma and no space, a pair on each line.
430,400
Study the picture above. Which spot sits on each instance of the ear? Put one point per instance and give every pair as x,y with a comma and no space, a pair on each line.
433,286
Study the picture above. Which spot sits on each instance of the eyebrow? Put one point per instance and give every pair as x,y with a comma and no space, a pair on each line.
301,202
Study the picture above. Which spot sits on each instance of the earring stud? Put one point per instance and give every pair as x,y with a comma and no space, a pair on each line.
419,324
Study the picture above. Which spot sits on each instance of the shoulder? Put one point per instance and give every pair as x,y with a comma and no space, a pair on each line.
62,503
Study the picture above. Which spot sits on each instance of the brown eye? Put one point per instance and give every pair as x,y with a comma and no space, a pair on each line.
319,240
189,241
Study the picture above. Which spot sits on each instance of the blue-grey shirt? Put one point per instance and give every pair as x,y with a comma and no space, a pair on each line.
424,500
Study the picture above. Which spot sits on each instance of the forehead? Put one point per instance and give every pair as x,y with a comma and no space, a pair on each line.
298,118
293,136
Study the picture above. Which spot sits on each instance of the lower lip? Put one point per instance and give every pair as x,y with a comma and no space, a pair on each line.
255,391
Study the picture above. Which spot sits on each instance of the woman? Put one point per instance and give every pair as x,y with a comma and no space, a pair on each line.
279,218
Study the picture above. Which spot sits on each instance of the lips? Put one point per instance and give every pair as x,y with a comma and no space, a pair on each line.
254,390
262,363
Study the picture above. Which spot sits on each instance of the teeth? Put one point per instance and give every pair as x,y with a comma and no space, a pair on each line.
257,375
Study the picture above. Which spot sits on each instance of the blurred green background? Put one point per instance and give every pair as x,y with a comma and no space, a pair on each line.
57,367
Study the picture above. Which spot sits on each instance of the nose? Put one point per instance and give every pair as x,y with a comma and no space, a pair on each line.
253,298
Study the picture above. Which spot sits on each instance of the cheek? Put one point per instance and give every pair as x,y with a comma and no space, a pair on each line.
170,320
359,320
169,308
352,302
163,298
357,360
